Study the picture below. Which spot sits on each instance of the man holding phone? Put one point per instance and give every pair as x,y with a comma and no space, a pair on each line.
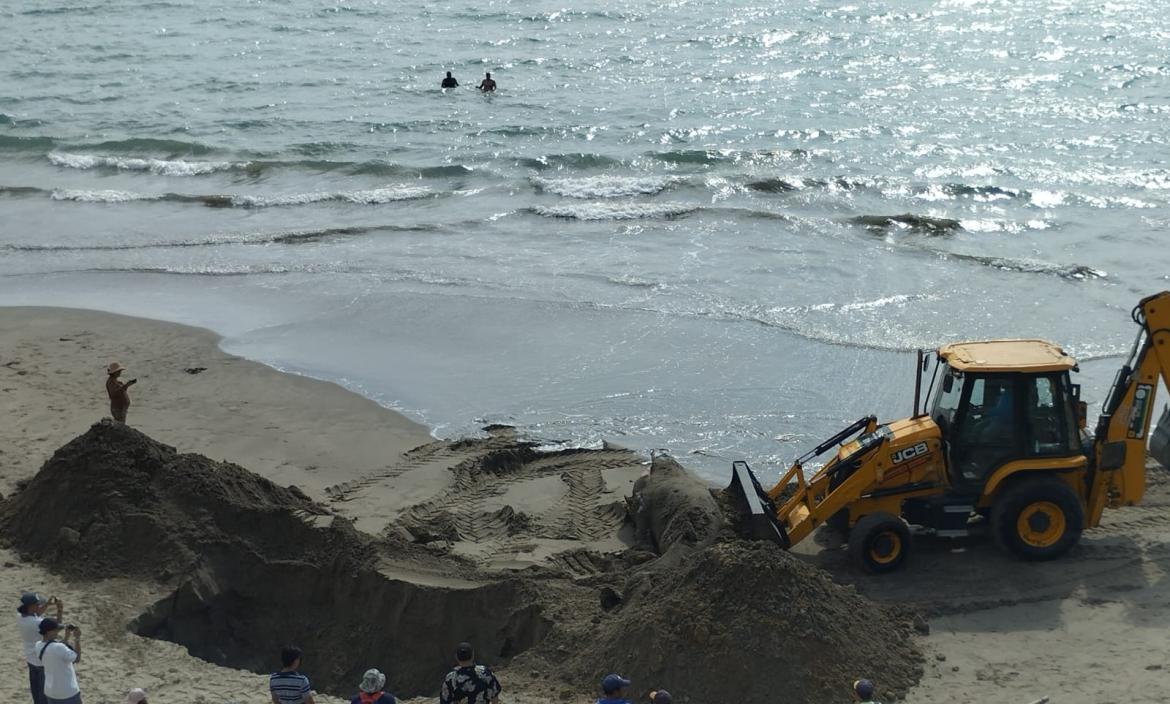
118,391
58,658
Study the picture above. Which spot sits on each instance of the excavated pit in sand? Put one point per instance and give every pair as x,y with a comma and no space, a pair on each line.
257,566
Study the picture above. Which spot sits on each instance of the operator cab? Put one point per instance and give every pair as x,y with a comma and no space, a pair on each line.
1001,401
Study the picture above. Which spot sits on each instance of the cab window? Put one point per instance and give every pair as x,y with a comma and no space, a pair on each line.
1051,425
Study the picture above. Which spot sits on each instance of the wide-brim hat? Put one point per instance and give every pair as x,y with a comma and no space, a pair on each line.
114,368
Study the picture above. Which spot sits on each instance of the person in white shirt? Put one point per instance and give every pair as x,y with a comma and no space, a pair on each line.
58,658
30,613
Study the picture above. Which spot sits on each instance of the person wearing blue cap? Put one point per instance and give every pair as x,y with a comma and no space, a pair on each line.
660,696
30,613
613,689
863,692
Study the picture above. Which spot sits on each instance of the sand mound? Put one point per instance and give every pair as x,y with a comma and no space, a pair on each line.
746,622
114,502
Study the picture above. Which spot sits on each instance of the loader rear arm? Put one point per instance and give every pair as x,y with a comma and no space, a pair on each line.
1119,446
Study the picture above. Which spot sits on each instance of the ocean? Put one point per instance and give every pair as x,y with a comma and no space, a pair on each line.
719,228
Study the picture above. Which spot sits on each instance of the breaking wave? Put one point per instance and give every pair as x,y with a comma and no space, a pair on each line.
376,196
161,167
606,186
606,210
908,221
291,237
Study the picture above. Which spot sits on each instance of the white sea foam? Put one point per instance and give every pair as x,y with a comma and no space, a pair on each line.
606,186
161,167
604,210
84,196
375,196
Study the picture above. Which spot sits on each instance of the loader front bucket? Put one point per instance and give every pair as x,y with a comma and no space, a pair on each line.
757,511
1160,440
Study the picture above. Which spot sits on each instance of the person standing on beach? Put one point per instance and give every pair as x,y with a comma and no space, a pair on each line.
58,658
31,612
371,690
289,686
118,391
449,82
487,85
613,690
468,682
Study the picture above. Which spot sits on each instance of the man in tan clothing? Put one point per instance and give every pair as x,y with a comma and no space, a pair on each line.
118,391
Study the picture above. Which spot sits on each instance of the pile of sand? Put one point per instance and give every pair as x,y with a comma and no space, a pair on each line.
720,619
114,502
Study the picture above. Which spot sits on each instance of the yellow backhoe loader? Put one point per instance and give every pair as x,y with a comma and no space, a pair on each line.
1000,445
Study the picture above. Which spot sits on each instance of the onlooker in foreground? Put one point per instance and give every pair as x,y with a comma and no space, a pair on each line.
863,692
660,696
614,688
371,689
31,612
136,696
118,391
289,686
58,658
468,682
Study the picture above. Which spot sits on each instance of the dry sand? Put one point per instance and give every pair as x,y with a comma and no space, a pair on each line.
1086,629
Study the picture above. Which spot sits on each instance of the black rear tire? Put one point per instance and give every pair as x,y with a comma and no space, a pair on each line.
879,542
1037,519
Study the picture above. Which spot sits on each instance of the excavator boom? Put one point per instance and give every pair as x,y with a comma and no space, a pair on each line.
1120,441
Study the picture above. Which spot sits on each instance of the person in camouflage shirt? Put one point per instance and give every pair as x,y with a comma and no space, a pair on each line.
468,682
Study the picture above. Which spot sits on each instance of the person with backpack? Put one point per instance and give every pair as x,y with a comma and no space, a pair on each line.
58,658
468,682
372,689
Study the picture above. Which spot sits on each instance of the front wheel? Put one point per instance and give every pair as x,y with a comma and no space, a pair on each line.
879,542
1038,519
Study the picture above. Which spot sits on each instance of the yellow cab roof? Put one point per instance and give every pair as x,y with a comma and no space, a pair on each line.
1006,356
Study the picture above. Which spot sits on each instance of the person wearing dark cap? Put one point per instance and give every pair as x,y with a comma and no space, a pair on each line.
468,682
660,696
613,689
863,692
30,613
58,658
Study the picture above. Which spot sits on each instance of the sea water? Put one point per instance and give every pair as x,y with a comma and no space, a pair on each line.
669,227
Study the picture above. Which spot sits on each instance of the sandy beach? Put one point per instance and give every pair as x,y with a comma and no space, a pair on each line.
1089,628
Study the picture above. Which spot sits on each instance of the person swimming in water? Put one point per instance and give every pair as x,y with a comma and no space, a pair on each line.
487,85
449,81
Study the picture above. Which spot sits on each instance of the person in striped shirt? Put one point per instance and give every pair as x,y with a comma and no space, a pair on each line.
289,686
